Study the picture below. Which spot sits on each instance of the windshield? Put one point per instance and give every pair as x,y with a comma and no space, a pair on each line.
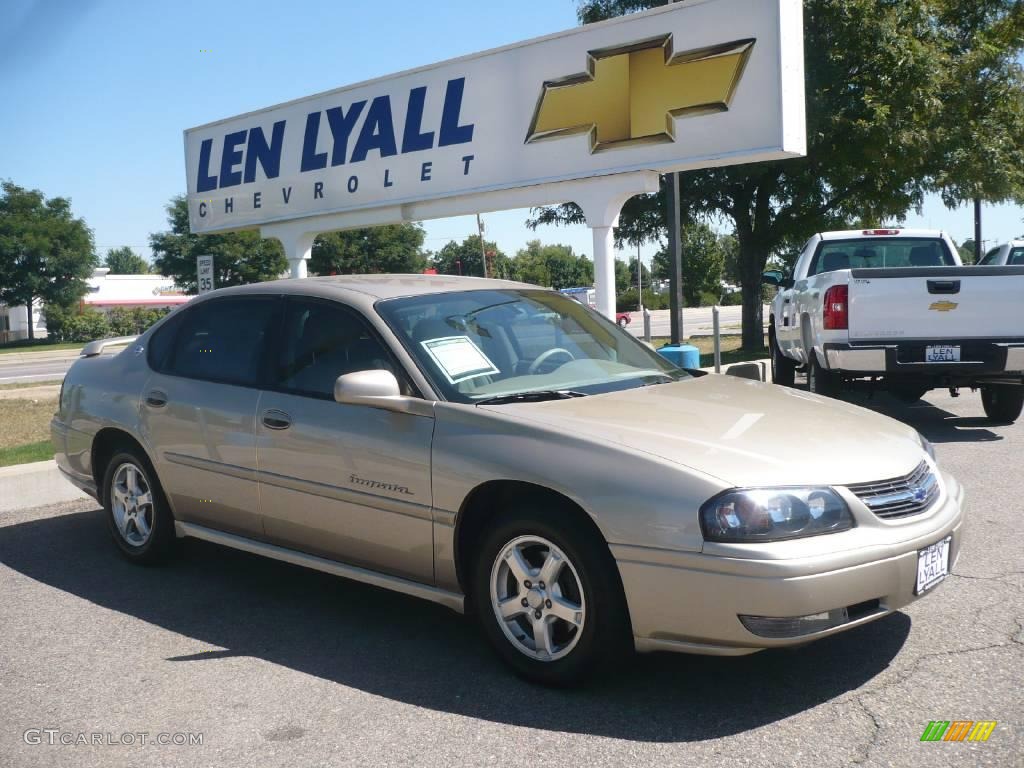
478,345
864,253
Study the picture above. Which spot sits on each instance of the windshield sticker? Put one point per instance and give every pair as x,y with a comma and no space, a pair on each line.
459,358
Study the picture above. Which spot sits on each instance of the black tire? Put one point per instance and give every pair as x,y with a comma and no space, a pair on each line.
783,369
820,381
155,515
1002,402
605,634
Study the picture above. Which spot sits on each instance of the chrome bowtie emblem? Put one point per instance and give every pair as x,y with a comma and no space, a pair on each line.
920,494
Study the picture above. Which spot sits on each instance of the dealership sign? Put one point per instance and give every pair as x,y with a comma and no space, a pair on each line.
695,84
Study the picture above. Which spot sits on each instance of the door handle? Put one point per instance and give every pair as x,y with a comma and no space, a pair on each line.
943,286
275,419
156,399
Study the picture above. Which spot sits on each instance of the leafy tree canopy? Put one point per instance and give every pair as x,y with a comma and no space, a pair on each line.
125,261
238,257
465,259
704,256
45,252
904,98
396,249
554,266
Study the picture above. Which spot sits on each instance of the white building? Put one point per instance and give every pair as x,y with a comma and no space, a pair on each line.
106,291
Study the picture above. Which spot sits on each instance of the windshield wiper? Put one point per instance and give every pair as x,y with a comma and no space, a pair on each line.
536,396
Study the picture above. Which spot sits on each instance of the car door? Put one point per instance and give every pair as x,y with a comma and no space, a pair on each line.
346,482
199,406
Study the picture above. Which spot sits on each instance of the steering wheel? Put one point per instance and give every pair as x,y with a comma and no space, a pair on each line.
543,358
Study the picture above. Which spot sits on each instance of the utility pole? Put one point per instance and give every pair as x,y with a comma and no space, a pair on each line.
639,277
675,259
977,230
483,254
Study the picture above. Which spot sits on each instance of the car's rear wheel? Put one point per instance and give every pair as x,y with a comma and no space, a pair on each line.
1002,402
548,597
137,512
821,381
783,369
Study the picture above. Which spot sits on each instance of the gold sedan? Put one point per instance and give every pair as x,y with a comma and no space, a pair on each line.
498,447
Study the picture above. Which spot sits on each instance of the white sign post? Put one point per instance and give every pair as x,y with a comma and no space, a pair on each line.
204,274
590,115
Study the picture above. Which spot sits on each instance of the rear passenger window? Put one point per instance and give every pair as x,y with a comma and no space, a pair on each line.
224,340
162,340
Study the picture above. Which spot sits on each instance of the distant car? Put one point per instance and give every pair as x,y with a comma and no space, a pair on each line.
623,319
896,306
494,446
1009,254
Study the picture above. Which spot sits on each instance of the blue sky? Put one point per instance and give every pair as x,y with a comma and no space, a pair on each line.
97,93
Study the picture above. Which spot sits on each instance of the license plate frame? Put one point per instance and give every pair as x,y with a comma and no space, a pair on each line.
942,353
932,565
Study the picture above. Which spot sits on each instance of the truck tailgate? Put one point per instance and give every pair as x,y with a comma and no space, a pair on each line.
937,303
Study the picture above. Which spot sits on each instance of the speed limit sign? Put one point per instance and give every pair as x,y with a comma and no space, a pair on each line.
204,271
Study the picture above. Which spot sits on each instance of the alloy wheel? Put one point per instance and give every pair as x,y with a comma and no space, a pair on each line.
132,502
537,598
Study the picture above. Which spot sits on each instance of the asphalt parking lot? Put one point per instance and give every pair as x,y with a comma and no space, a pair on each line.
275,665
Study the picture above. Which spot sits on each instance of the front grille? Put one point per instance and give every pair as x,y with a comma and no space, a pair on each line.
901,496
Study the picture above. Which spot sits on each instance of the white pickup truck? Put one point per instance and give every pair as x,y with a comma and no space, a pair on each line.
1009,254
897,307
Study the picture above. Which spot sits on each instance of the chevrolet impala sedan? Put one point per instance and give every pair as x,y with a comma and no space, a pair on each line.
503,449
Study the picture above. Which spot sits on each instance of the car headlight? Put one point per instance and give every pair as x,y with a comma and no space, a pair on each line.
926,444
772,514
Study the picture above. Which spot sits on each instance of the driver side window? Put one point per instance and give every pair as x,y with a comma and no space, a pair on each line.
323,340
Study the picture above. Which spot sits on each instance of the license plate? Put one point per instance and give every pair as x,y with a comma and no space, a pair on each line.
932,565
942,354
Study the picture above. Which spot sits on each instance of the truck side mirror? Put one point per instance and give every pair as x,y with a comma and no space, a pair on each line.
773,277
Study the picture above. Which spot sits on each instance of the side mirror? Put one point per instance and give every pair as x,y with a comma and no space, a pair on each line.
773,277
376,388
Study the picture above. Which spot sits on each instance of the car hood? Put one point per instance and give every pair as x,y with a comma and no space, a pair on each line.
742,432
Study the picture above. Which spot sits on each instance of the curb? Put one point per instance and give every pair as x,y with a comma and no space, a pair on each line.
34,485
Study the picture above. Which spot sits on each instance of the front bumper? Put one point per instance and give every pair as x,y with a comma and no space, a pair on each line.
691,602
906,357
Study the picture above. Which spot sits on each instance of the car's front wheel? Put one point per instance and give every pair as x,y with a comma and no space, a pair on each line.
137,512
548,597
1002,402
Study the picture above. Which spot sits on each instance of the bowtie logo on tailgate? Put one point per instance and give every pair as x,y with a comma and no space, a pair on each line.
943,306
632,94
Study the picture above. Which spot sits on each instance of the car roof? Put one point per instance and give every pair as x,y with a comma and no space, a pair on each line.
366,290
856,234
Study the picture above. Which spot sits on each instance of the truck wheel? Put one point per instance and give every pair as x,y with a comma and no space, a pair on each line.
1002,402
783,369
547,595
820,381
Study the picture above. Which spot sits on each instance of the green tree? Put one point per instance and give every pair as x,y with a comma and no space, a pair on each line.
904,98
464,259
395,248
624,277
238,257
125,261
703,262
45,252
966,251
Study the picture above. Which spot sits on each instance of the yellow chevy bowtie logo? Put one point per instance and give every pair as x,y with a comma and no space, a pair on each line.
944,306
631,94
